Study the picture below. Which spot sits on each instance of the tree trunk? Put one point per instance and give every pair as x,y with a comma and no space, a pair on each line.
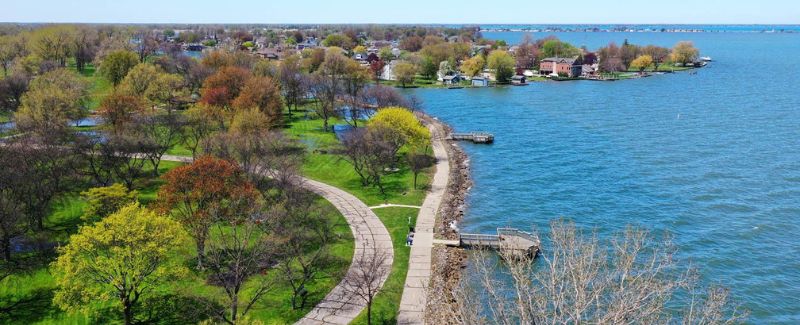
6,247
234,307
415,180
127,311
201,252
369,313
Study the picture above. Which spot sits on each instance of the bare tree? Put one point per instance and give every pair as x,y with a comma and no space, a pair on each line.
303,235
580,280
241,253
417,162
159,132
370,151
366,276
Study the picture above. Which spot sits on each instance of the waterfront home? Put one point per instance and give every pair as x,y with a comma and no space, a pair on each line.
452,79
388,71
556,67
519,80
480,82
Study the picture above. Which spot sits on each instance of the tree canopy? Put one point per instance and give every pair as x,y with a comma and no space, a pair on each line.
124,258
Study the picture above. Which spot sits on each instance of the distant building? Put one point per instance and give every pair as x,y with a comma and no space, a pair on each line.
480,82
570,67
452,79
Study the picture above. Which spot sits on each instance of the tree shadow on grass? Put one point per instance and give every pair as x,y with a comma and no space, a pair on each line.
29,309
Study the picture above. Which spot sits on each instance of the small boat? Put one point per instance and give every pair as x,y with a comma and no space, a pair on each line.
706,59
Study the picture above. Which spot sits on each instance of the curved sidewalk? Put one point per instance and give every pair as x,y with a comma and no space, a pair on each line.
414,300
340,306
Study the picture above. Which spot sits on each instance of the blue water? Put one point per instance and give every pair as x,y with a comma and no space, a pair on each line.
712,158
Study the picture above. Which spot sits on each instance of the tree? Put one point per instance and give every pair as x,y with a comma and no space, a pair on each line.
222,88
411,43
611,58
642,62
118,110
264,94
473,66
115,65
338,40
556,48
403,122
386,54
405,72
242,253
359,49
12,211
11,47
248,121
628,280
204,192
270,159
199,125
128,256
629,52
526,54
684,52
292,81
328,86
417,162
503,65
103,201
159,132
302,237
53,99
366,277
84,46
380,96
658,53
139,79
53,43
376,67
11,90
428,67
354,82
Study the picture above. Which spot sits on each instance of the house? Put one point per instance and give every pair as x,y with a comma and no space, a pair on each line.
452,79
480,82
556,67
519,80
388,71
360,57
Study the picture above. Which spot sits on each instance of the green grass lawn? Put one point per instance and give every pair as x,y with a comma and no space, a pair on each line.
386,304
320,164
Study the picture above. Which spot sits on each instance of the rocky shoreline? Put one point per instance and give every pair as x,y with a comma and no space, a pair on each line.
448,263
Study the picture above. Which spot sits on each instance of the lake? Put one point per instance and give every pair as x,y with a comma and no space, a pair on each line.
712,158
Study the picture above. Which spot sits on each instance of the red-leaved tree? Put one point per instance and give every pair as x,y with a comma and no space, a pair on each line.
202,193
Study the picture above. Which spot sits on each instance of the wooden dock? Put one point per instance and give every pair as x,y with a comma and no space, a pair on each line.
475,137
505,239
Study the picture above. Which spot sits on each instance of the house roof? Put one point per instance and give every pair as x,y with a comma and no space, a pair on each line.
560,60
451,77
518,77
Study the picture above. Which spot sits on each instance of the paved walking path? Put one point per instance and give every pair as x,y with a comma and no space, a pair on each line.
414,300
340,306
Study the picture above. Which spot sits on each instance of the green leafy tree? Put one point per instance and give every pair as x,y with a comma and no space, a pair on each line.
473,66
556,48
117,64
503,65
405,72
338,40
428,67
53,99
684,53
103,201
125,258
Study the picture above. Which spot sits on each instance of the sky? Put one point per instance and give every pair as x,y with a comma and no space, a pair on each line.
405,11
